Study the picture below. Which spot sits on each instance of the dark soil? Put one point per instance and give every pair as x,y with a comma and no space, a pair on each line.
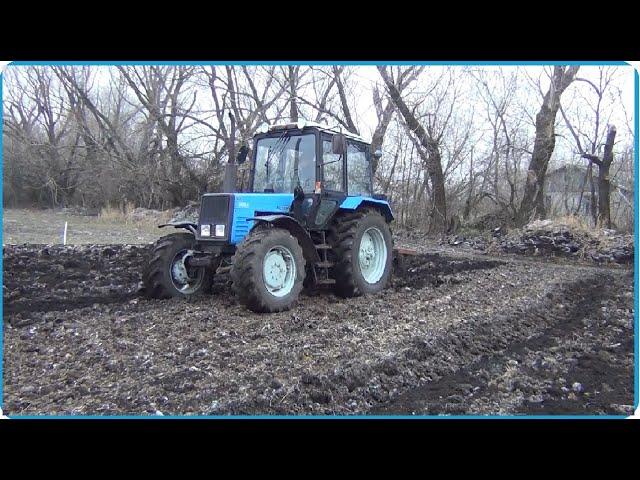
574,323
60,278
452,334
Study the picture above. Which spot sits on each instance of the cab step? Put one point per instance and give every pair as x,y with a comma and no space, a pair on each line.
325,281
323,246
324,264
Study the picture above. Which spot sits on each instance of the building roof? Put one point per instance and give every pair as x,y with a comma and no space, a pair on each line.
570,178
579,169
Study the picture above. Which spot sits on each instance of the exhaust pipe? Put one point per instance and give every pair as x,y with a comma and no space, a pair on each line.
230,178
231,170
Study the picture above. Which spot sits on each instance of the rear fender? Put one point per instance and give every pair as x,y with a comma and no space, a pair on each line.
354,203
191,227
297,230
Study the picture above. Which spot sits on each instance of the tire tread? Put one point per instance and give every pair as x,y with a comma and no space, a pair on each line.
153,275
247,268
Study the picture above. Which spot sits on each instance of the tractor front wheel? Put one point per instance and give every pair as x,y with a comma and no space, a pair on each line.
268,270
167,275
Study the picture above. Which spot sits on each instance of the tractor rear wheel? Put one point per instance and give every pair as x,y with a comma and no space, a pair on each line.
168,276
268,270
363,253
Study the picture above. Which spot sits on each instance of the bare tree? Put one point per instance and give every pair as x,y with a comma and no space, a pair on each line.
384,112
243,98
508,143
604,182
39,119
545,140
587,131
429,150
604,168
159,90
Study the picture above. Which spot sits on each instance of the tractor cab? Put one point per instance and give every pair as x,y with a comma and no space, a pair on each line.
318,166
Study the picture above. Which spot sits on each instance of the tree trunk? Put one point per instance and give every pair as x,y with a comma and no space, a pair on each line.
604,184
533,199
467,204
593,206
377,139
434,168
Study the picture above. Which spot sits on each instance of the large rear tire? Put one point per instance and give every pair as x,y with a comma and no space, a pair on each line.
362,253
167,275
268,270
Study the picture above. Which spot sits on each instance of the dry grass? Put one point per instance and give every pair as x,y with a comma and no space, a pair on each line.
582,227
128,214
109,227
116,213
576,224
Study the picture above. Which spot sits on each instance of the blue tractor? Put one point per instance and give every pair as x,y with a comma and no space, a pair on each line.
310,217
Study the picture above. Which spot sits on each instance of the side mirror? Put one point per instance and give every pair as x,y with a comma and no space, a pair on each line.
338,144
377,154
242,155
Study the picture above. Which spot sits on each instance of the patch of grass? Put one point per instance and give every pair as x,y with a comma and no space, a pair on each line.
46,227
128,214
575,224
112,213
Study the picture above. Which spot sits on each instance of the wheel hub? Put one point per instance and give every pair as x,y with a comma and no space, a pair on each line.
180,270
275,270
367,252
372,255
279,271
180,276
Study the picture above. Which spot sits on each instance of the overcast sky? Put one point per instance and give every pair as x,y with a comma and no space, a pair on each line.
368,76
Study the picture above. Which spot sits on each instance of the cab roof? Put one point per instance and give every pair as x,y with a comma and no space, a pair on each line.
301,124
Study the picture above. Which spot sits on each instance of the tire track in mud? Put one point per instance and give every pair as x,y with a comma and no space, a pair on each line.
526,369
434,269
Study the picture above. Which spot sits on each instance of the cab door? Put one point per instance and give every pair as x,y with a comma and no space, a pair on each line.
359,181
331,168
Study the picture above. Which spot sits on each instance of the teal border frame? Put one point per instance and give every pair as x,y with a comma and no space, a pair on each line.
345,417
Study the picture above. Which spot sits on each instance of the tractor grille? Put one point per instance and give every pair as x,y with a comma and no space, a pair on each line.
215,211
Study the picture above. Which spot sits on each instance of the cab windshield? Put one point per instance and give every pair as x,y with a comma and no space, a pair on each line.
284,162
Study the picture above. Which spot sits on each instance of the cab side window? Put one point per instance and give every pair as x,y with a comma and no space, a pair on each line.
333,168
358,180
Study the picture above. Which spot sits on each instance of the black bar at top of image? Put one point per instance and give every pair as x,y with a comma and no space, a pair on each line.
364,41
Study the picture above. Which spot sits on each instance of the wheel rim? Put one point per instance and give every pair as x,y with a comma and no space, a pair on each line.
372,255
279,271
186,280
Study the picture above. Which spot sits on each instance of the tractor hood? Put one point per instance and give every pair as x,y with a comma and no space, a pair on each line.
233,211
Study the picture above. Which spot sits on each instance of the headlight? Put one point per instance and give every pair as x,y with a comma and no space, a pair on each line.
205,230
219,230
